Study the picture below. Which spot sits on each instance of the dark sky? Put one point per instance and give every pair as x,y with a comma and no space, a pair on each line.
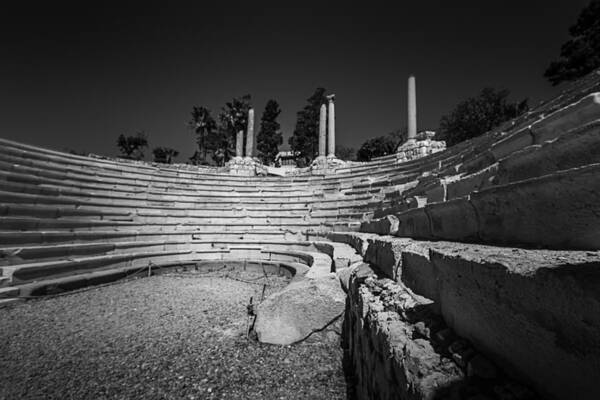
78,76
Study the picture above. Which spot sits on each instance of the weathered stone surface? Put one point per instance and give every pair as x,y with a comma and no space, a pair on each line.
577,147
465,185
534,312
303,307
385,254
557,211
579,113
513,142
359,241
454,220
526,213
389,362
387,225
414,223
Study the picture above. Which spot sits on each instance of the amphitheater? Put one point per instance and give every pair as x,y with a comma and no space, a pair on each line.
477,266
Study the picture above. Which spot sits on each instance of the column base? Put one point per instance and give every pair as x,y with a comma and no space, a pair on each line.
421,146
245,166
325,165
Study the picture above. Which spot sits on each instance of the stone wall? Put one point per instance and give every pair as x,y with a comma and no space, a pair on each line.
533,313
398,347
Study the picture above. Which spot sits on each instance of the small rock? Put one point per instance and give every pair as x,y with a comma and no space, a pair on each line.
463,356
421,330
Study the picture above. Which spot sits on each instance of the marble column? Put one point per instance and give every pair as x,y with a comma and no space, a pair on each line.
323,131
331,126
250,133
239,144
412,109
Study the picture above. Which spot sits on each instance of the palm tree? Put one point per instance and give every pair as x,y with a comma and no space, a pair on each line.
203,125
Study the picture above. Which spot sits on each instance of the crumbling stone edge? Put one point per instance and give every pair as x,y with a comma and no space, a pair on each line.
397,346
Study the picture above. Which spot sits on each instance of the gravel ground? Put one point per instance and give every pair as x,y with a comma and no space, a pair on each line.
163,337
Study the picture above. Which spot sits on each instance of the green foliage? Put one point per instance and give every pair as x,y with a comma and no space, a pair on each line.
164,154
345,153
399,135
204,127
377,147
198,159
581,54
269,137
232,119
477,115
305,139
132,146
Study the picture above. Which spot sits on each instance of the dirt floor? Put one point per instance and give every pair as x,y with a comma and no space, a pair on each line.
178,336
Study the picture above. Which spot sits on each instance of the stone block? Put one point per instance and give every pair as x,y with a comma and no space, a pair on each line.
417,271
536,312
454,220
414,223
577,114
513,142
385,254
465,185
561,210
578,147
387,225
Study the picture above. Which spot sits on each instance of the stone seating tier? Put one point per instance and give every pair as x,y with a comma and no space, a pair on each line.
68,221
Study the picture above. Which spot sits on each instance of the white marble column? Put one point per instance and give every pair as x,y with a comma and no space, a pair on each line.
412,109
250,133
239,144
331,126
323,131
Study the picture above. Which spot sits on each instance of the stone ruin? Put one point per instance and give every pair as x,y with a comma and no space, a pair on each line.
472,272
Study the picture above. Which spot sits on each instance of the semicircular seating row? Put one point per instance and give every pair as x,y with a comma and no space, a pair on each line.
65,215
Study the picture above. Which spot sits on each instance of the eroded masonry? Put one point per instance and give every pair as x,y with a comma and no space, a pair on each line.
472,272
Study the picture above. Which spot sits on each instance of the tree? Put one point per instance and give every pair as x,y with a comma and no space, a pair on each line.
399,135
132,146
269,137
204,126
232,119
477,115
581,54
305,139
164,154
345,153
377,147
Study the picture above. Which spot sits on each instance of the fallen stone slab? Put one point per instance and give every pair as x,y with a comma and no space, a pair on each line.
303,307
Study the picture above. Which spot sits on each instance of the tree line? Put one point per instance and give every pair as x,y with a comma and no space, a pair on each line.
579,56
471,117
